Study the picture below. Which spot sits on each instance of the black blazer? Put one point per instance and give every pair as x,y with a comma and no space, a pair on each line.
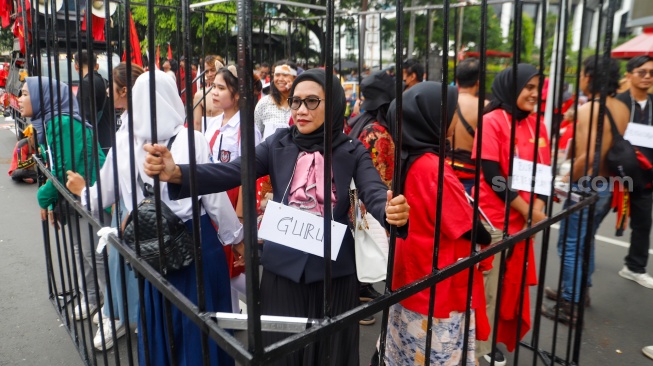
277,156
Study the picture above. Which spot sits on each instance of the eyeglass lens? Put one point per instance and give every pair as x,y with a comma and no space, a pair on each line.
642,73
311,103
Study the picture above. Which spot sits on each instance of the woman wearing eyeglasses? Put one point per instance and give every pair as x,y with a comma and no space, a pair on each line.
292,280
272,111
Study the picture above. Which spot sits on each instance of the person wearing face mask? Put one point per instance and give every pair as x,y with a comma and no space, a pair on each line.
272,111
494,192
214,208
292,280
202,102
66,132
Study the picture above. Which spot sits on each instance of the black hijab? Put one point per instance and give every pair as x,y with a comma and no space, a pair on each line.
421,125
314,141
504,96
378,90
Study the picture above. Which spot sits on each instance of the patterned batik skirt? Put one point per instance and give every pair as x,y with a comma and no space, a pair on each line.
406,338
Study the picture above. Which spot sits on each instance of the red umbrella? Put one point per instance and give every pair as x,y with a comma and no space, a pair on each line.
641,45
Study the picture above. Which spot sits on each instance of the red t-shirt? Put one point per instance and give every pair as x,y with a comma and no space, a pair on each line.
496,147
414,255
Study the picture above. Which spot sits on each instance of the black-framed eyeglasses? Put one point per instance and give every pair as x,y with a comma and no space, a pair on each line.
642,73
311,103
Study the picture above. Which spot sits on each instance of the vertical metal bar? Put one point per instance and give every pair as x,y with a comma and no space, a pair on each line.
328,180
248,176
289,38
308,43
380,41
549,206
479,125
396,176
360,48
226,42
603,77
438,218
143,331
270,55
197,236
429,35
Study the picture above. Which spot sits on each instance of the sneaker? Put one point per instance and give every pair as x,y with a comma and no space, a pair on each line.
648,351
499,360
367,321
81,313
643,279
564,315
552,294
367,292
108,333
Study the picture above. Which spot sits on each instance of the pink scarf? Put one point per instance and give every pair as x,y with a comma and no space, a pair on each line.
307,187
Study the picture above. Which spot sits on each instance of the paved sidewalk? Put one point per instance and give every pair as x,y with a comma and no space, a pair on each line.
30,331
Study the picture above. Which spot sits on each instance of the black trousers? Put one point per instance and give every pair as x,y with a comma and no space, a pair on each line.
641,205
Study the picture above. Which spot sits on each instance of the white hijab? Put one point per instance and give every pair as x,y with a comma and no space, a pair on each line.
170,114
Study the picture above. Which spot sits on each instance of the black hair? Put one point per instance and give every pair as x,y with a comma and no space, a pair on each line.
229,79
467,72
86,59
412,66
593,65
636,62
264,64
174,66
274,92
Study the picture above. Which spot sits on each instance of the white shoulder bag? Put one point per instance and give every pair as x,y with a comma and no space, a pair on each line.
371,242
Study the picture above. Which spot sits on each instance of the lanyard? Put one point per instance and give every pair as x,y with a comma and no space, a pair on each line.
648,105
532,136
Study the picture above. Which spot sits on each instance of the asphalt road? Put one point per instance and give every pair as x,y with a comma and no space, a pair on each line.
618,324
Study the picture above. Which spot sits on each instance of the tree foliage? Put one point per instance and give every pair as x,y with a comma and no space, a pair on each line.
168,26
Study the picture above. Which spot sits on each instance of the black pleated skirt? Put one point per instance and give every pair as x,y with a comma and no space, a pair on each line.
284,297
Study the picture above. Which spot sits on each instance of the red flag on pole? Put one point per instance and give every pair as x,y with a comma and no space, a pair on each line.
135,44
169,51
158,57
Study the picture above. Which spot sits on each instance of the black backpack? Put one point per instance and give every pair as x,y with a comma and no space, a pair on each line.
621,159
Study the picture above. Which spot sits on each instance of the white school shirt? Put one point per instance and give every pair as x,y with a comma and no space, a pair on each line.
217,205
227,145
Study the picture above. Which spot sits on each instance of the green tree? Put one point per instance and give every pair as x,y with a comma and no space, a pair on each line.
527,38
168,28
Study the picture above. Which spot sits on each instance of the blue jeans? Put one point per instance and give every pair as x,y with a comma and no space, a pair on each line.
576,242
131,281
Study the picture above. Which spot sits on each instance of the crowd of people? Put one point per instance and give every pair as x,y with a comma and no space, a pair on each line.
289,120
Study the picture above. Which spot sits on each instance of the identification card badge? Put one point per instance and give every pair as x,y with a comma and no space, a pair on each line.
522,177
299,230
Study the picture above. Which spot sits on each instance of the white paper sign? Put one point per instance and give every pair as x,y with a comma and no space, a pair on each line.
522,175
299,230
639,134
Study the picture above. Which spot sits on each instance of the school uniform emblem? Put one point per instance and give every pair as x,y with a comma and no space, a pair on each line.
225,156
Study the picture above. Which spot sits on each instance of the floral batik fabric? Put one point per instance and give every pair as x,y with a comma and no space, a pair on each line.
406,338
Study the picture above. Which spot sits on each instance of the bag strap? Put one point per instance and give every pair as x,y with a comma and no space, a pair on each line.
465,124
147,188
613,125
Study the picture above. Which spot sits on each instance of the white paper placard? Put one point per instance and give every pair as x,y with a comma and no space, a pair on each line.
522,171
639,134
299,230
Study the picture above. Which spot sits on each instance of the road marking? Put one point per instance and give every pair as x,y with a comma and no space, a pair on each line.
605,239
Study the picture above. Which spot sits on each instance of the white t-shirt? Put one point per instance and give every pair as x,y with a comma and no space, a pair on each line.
269,117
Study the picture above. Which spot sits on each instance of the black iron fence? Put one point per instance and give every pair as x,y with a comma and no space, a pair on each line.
78,224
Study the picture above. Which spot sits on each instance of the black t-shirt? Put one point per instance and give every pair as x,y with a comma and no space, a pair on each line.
639,116
105,125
